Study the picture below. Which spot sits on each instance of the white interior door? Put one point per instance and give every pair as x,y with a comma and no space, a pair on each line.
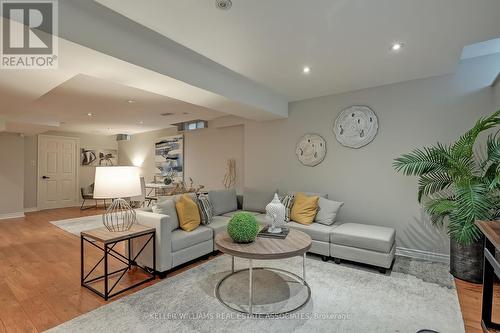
57,172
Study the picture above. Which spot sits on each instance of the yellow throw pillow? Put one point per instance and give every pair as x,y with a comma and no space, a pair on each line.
188,213
304,208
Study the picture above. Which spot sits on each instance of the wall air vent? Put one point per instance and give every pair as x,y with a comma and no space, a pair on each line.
191,125
123,137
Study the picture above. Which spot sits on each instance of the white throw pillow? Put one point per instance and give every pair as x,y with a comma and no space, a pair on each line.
167,207
327,211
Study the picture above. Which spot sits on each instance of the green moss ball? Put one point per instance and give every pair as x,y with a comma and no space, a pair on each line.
243,228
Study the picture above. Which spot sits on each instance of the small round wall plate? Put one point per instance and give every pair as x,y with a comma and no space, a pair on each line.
356,126
311,150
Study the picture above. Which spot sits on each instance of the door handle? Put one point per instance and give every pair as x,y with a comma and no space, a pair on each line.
45,177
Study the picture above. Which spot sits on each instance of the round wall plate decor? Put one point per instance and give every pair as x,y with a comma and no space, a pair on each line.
311,150
356,126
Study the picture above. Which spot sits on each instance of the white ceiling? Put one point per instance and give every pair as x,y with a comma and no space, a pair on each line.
35,101
345,42
111,110
94,81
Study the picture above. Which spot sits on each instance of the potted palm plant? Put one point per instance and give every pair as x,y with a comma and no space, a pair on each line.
457,186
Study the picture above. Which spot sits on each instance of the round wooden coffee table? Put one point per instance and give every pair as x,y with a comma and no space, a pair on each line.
295,244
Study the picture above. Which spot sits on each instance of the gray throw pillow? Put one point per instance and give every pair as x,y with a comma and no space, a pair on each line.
257,200
327,211
223,201
167,207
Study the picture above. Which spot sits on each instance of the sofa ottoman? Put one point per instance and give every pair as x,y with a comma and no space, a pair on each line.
320,235
368,244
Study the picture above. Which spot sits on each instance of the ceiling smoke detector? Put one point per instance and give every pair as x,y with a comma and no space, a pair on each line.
223,4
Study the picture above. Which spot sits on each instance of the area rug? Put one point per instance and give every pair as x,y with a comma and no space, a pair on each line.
344,299
79,224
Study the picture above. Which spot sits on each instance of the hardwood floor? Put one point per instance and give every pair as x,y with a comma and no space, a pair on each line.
40,276
470,297
40,272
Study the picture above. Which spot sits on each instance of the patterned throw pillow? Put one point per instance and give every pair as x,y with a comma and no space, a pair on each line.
206,209
287,201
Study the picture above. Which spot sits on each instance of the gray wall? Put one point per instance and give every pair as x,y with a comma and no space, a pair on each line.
85,173
11,173
30,171
206,152
140,151
496,93
411,114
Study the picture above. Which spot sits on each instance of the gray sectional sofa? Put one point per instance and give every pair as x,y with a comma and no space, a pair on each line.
367,244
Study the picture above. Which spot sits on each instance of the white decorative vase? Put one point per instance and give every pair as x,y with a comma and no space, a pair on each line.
275,211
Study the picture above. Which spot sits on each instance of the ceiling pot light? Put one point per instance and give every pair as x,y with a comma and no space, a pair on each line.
397,46
141,122
306,70
90,114
223,4
131,101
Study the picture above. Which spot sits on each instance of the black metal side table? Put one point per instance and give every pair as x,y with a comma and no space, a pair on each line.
105,240
491,231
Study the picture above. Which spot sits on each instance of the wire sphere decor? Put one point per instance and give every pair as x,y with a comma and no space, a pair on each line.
120,216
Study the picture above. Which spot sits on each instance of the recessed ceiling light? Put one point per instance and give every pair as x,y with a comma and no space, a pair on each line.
141,122
90,114
396,46
306,70
131,101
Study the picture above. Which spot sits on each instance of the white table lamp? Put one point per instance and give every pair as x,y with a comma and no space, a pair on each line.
117,182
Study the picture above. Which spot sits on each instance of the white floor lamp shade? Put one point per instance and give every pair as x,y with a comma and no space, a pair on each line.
117,182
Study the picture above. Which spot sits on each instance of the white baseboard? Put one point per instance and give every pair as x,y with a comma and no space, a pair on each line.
31,209
424,255
50,208
11,215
